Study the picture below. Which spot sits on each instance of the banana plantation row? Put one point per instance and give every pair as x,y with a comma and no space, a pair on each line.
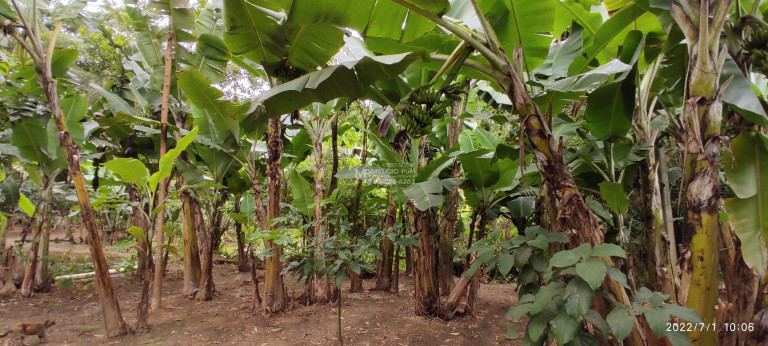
607,156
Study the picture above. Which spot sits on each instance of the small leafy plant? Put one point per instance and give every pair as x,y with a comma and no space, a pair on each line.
557,292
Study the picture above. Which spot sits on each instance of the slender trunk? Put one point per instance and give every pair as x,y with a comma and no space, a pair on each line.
113,318
43,279
474,285
358,226
162,188
143,258
450,212
426,284
319,288
395,286
191,218
702,117
261,216
658,263
242,258
409,253
669,223
207,247
384,270
29,274
254,281
274,291
469,286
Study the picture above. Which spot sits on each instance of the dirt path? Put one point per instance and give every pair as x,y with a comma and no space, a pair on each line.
369,318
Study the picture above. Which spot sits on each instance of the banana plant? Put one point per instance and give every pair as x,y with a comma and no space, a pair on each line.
24,18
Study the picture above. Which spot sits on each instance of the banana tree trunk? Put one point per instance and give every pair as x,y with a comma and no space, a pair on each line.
426,284
208,245
450,212
162,188
242,257
701,22
39,219
319,288
143,257
191,219
355,281
113,318
467,286
274,291
384,270
43,279
658,263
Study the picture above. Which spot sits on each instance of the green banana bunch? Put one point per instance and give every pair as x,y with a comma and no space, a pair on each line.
756,48
416,120
454,91
425,96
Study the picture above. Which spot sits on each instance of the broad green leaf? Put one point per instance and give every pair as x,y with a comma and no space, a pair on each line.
486,139
69,11
239,218
351,80
312,45
26,205
146,39
252,32
614,196
521,207
480,171
561,55
166,162
426,194
608,250
302,193
117,103
610,34
746,164
61,61
223,114
600,210
433,169
739,94
537,325
589,80
746,167
137,232
130,171
592,271
683,313
74,109
657,320
545,295
610,109
748,218
621,322
578,298
523,23
506,262
6,11
3,225
565,328
248,207
352,14
31,140
564,258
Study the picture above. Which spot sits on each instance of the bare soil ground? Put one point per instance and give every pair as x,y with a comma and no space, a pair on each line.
368,318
